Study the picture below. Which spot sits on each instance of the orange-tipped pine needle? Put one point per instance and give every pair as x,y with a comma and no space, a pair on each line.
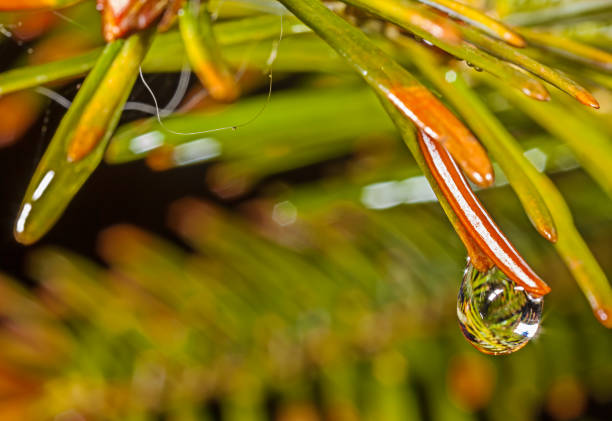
120,19
475,218
204,54
433,24
515,56
104,107
477,19
433,118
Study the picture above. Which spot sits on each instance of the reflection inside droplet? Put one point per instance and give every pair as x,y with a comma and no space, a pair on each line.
496,315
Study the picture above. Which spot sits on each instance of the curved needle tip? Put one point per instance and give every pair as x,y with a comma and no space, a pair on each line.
489,179
21,230
541,290
604,316
432,117
481,179
24,238
474,218
549,233
537,93
514,39
586,98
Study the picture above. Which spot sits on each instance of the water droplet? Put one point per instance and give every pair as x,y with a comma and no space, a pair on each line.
473,66
496,315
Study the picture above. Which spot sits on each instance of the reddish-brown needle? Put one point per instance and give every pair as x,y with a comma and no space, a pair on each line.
433,118
475,218
120,19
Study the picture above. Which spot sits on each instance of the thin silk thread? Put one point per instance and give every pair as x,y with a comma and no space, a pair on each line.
270,62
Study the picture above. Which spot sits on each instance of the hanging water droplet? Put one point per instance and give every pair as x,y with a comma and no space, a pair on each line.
496,315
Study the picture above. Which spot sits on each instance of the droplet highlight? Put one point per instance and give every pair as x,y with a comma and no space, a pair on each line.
496,315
